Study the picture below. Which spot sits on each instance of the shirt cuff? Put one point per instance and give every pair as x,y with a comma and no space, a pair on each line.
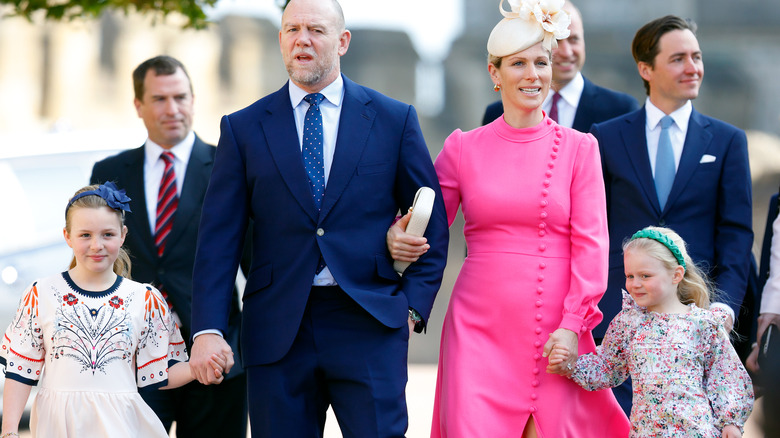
206,332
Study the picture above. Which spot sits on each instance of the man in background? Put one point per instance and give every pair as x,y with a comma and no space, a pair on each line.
668,165
166,179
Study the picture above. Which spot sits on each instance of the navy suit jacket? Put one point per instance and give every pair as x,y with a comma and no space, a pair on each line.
379,163
709,206
174,268
597,104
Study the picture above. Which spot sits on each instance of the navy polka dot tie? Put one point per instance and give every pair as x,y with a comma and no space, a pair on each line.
312,153
312,147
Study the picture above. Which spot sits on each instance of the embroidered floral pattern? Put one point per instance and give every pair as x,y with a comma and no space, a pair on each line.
687,377
92,337
115,302
70,299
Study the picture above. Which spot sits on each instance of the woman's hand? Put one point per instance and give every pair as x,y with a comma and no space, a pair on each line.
764,321
405,247
561,348
731,431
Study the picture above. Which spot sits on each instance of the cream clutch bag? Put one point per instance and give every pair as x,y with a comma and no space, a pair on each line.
421,209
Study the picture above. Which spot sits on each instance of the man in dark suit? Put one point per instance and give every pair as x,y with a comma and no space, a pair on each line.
164,100
580,102
322,166
687,171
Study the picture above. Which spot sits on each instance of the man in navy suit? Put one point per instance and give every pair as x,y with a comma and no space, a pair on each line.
708,198
164,101
581,103
326,319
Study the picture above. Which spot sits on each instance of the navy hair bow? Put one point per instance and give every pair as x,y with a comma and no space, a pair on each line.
114,197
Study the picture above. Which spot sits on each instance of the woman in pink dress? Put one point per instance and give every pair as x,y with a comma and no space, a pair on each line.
533,200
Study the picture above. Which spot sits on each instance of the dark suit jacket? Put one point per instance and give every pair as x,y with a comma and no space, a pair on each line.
380,161
709,206
174,268
597,104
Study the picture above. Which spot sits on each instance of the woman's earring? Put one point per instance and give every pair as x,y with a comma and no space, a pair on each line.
496,88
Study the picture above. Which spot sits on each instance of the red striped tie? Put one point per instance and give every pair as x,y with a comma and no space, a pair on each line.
167,201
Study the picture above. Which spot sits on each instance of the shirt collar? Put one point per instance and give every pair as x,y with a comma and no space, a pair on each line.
333,93
572,91
681,115
181,151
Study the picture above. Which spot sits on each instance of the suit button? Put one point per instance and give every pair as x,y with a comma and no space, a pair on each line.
161,271
662,223
320,232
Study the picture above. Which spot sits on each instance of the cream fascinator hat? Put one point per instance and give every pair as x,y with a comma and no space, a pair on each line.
529,22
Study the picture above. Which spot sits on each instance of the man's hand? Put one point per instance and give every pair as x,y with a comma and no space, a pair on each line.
204,348
405,247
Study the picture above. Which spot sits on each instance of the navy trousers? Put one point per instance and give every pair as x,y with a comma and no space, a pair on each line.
342,357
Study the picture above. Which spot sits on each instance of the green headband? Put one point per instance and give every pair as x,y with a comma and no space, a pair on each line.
664,240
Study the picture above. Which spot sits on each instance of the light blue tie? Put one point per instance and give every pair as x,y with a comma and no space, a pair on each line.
664,162
312,153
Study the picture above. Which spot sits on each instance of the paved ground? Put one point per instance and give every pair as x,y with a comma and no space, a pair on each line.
422,383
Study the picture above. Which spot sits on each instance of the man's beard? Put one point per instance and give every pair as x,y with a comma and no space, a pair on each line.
310,76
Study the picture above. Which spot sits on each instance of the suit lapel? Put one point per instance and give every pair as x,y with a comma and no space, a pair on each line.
134,178
582,122
281,135
697,140
635,142
196,179
354,126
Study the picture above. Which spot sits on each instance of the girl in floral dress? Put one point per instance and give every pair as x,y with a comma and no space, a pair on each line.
688,380
92,336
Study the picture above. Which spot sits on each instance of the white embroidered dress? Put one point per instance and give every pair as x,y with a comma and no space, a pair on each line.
91,351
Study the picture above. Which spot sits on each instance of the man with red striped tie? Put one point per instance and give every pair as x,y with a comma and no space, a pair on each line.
167,179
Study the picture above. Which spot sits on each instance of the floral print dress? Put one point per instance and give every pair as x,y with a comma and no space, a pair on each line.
91,351
687,378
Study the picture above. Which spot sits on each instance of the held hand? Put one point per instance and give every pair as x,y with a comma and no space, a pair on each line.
204,348
558,360
218,363
402,246
565,341
731,431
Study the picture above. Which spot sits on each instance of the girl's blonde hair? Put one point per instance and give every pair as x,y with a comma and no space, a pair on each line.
122,262
695,287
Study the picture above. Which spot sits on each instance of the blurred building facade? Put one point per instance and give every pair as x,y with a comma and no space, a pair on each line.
76,76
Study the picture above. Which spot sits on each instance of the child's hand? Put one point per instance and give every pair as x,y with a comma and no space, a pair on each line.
218,362
731,431
559,358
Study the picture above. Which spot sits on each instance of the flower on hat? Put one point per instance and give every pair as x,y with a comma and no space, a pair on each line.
550,14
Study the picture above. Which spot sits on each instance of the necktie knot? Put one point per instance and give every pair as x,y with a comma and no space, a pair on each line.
314,99
666,122
554,106
167,157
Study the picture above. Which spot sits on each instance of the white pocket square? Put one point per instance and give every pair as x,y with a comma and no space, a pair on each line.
707,158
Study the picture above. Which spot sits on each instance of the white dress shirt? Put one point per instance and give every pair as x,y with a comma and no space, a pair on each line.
154,167
677,131
570,99
330,107
770,299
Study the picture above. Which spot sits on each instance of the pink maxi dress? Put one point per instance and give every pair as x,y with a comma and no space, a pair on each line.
535,226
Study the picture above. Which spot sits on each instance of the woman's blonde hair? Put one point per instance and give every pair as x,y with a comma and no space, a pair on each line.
695,287
122,262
